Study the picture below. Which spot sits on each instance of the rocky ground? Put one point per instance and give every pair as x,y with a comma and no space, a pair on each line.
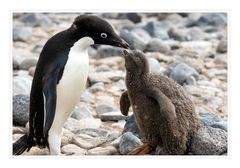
190,48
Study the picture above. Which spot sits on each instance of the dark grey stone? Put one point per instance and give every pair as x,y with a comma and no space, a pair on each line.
112,116
128,142
15,64
21,33
209,141
20,110
104,108
181,72
35,19
131,126
222,46
134,17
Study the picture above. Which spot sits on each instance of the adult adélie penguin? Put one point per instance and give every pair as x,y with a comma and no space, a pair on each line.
59,79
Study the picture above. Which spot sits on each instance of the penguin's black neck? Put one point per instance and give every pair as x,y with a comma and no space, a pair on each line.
64,40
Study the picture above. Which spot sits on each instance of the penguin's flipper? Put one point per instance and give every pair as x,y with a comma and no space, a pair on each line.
50,96
124,103
166,106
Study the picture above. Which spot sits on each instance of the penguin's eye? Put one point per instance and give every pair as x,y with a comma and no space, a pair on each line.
103,35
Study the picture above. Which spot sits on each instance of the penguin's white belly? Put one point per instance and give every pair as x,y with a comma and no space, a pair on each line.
73,82
70,86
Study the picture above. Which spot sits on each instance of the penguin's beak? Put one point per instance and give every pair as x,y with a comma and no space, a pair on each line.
121,43
124,44
118,42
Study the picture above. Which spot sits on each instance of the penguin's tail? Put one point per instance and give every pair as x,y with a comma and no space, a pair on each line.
21,145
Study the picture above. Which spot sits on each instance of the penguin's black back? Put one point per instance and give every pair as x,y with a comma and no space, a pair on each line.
52,59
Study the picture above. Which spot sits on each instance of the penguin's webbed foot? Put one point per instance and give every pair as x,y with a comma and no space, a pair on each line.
142,150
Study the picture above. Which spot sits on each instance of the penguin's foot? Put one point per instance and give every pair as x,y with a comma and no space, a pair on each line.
142,150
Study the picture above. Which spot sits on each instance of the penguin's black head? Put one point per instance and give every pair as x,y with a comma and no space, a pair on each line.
98,29
136,62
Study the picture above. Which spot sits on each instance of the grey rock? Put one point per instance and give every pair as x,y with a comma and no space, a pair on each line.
105,77
94,132
112,116
191,81
31,71
142,33
73,125
15,64
104,108
221,60
72,149
210,119
222,46
21,33
157,45
81,112
19,130
67,137
209,141
134,17
116,142
87,97
27,63
221,125
21,85
110,61
97,87
212,19
102,99
134,41
110,15
35,19
108,150
128,142
196,34
158,29
109,51
90,138
178,34
181,72
20,110
197,45
131,126
154,65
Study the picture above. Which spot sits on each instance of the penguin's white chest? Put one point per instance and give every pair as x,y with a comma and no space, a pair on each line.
74,76
73,79
72,83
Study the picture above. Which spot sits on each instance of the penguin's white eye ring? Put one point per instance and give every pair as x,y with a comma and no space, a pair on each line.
103,35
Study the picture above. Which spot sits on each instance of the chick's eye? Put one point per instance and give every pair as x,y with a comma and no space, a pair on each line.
103,35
